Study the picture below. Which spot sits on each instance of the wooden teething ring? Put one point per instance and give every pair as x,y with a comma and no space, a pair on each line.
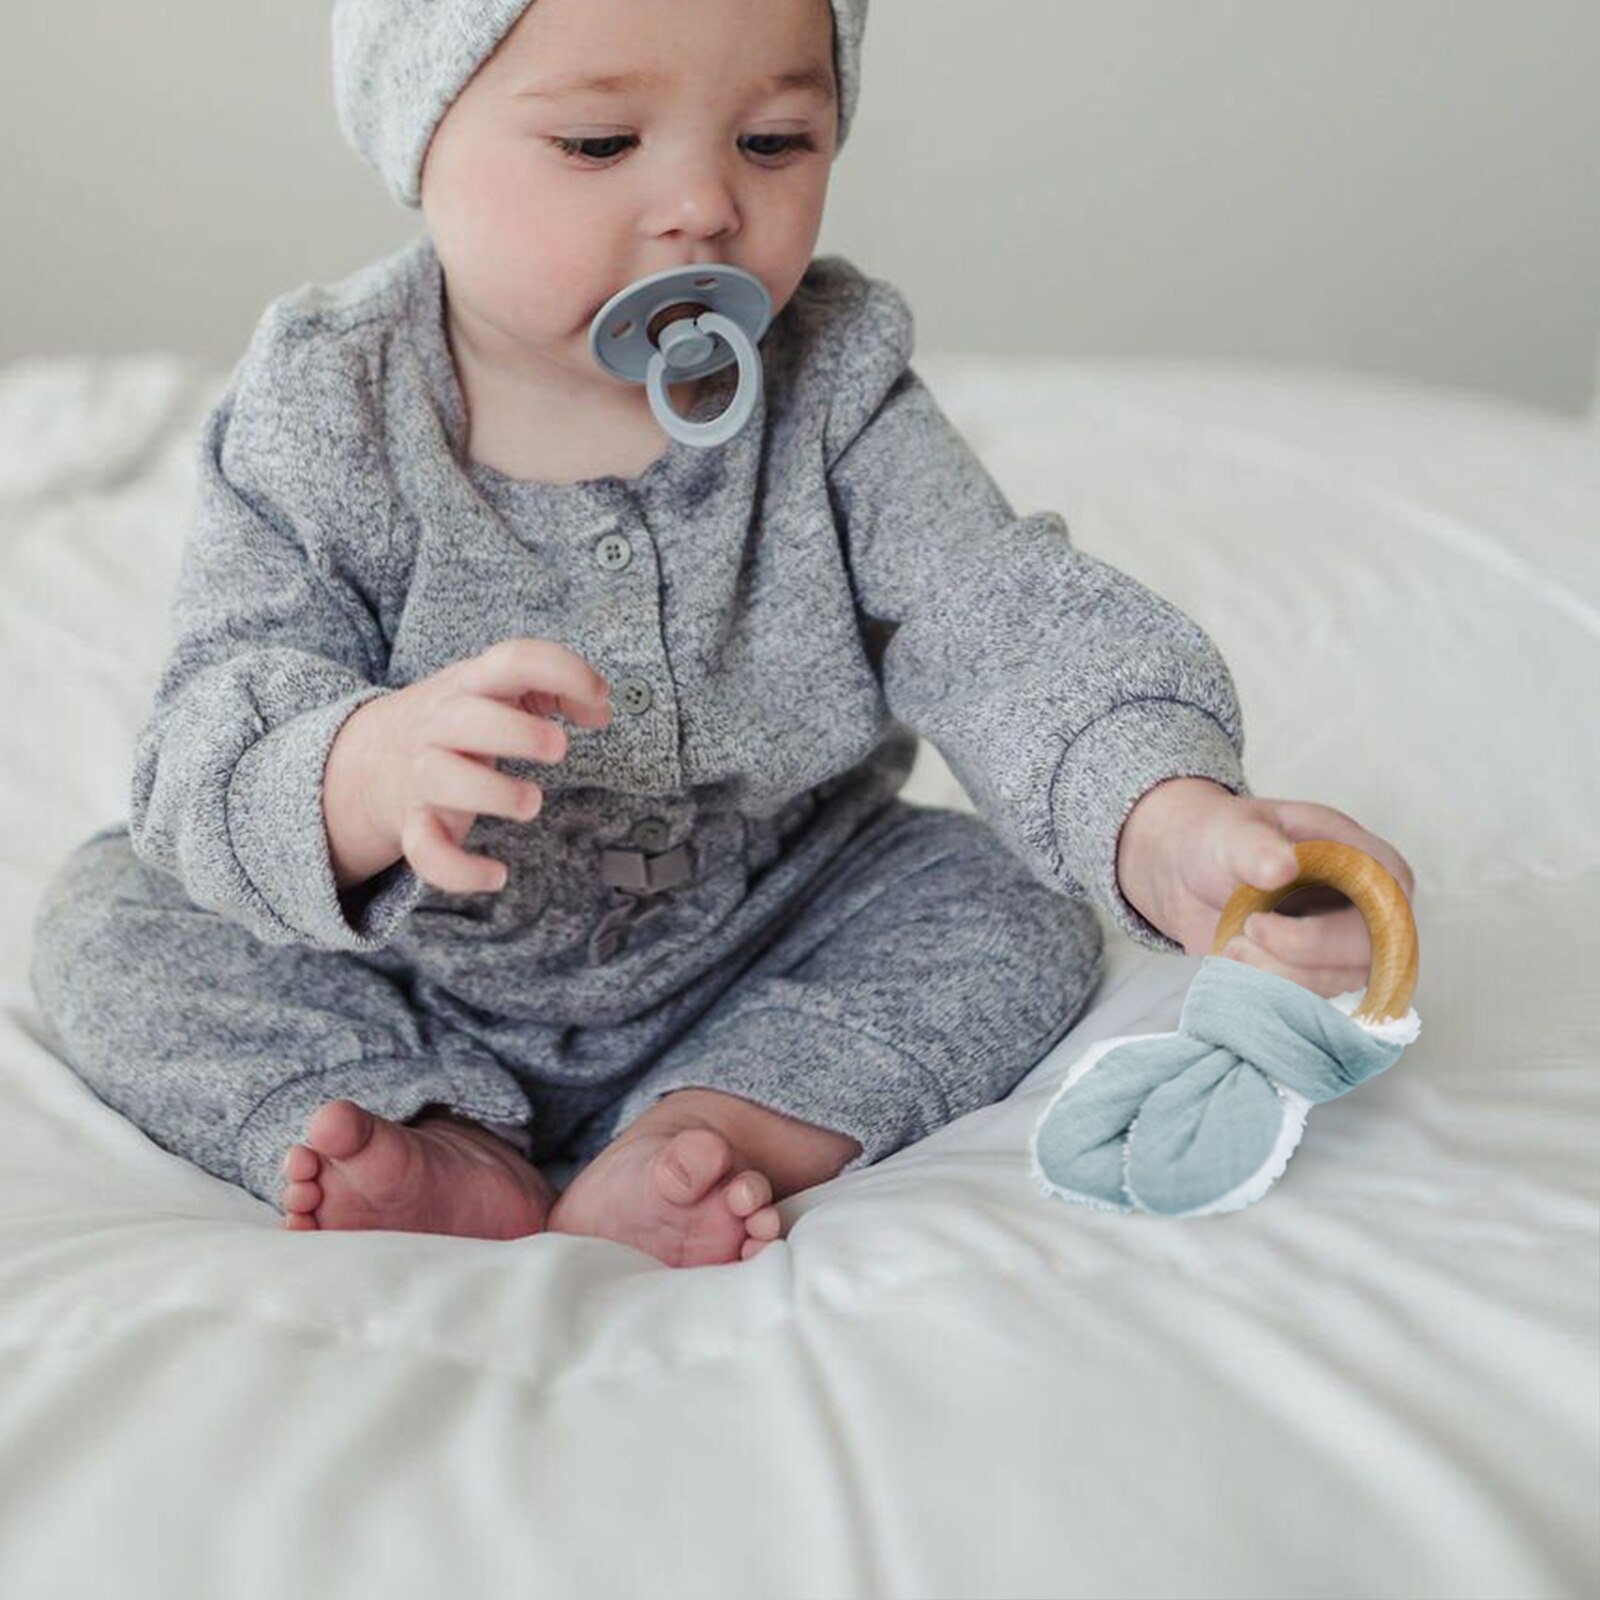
1381,901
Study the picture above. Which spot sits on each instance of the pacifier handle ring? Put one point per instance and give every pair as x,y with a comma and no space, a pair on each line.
1382,902
721,428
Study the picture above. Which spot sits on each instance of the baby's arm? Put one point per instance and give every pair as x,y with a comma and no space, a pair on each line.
273,652
1059,689
278,779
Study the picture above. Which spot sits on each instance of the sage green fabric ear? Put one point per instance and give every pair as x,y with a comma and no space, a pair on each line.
1203,1133
1174,1124
1081,1138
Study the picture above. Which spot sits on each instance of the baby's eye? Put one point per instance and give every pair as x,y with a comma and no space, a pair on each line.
786,143
770,148
597,149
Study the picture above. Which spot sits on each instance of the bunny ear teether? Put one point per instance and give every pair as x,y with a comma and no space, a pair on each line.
1205,1119
685,323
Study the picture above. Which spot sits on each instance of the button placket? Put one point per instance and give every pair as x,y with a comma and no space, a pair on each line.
629,648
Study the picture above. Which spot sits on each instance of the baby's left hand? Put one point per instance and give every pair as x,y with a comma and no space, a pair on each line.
1189,843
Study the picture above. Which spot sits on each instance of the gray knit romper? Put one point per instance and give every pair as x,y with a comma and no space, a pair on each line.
723,889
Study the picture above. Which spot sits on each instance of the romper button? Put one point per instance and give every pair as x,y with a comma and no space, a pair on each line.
634,696
613,552
652,834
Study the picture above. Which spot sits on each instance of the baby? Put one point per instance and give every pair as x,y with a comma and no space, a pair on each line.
448,580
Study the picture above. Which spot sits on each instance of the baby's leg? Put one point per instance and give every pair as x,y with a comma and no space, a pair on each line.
925,974
237,1055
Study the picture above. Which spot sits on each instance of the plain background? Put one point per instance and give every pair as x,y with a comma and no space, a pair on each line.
1400,187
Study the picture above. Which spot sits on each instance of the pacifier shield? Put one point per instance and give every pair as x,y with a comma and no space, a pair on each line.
682,324
620,335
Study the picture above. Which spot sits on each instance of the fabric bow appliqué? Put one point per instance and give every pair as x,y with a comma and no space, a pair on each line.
1205,1119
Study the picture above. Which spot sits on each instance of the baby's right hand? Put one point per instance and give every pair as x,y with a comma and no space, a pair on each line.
421,760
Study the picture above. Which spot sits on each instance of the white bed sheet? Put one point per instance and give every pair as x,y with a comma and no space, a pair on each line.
1379,1381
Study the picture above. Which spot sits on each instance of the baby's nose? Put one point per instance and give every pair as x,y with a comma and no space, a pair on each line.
698,201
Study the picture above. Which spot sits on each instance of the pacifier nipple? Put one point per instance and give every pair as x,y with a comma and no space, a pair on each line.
682,344
681,324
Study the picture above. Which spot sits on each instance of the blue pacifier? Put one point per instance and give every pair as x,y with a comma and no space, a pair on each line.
681,324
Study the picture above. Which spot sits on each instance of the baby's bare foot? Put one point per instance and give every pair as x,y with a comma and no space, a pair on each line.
440,1174
681,1195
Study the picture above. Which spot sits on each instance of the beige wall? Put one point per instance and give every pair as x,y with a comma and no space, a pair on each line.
1399,186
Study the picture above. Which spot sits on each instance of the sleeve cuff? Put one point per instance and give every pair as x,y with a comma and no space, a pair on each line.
1107,770
279,837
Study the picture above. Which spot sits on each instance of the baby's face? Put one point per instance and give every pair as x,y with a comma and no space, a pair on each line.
544,200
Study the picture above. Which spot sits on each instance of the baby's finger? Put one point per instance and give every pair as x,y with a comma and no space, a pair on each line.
1307,819
1326,939
590,714
515,667
1260,855
447,778
438,860
1324,980
1403,872
481,725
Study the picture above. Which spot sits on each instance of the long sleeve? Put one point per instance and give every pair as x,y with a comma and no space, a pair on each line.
1058,689
275,647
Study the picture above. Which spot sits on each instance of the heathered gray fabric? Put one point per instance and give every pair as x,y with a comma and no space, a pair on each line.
792,605
398,65
919,976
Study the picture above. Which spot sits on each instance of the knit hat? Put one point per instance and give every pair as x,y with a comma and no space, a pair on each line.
398,65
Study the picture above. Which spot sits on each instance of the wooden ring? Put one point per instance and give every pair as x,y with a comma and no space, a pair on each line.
1382,902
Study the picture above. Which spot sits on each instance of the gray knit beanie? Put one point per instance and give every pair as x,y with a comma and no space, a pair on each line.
398,64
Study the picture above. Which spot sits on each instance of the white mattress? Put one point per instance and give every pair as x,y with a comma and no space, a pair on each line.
1381,1380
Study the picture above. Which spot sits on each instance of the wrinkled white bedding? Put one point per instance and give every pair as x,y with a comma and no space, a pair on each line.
1380,1381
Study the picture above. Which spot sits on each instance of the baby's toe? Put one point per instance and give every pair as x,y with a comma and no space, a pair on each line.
752,1247
301,1163
764,1225
299,1221
302,1196
749,1192
339,1129
691,1162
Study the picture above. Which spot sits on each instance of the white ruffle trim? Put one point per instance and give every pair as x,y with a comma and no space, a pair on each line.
1398,1030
